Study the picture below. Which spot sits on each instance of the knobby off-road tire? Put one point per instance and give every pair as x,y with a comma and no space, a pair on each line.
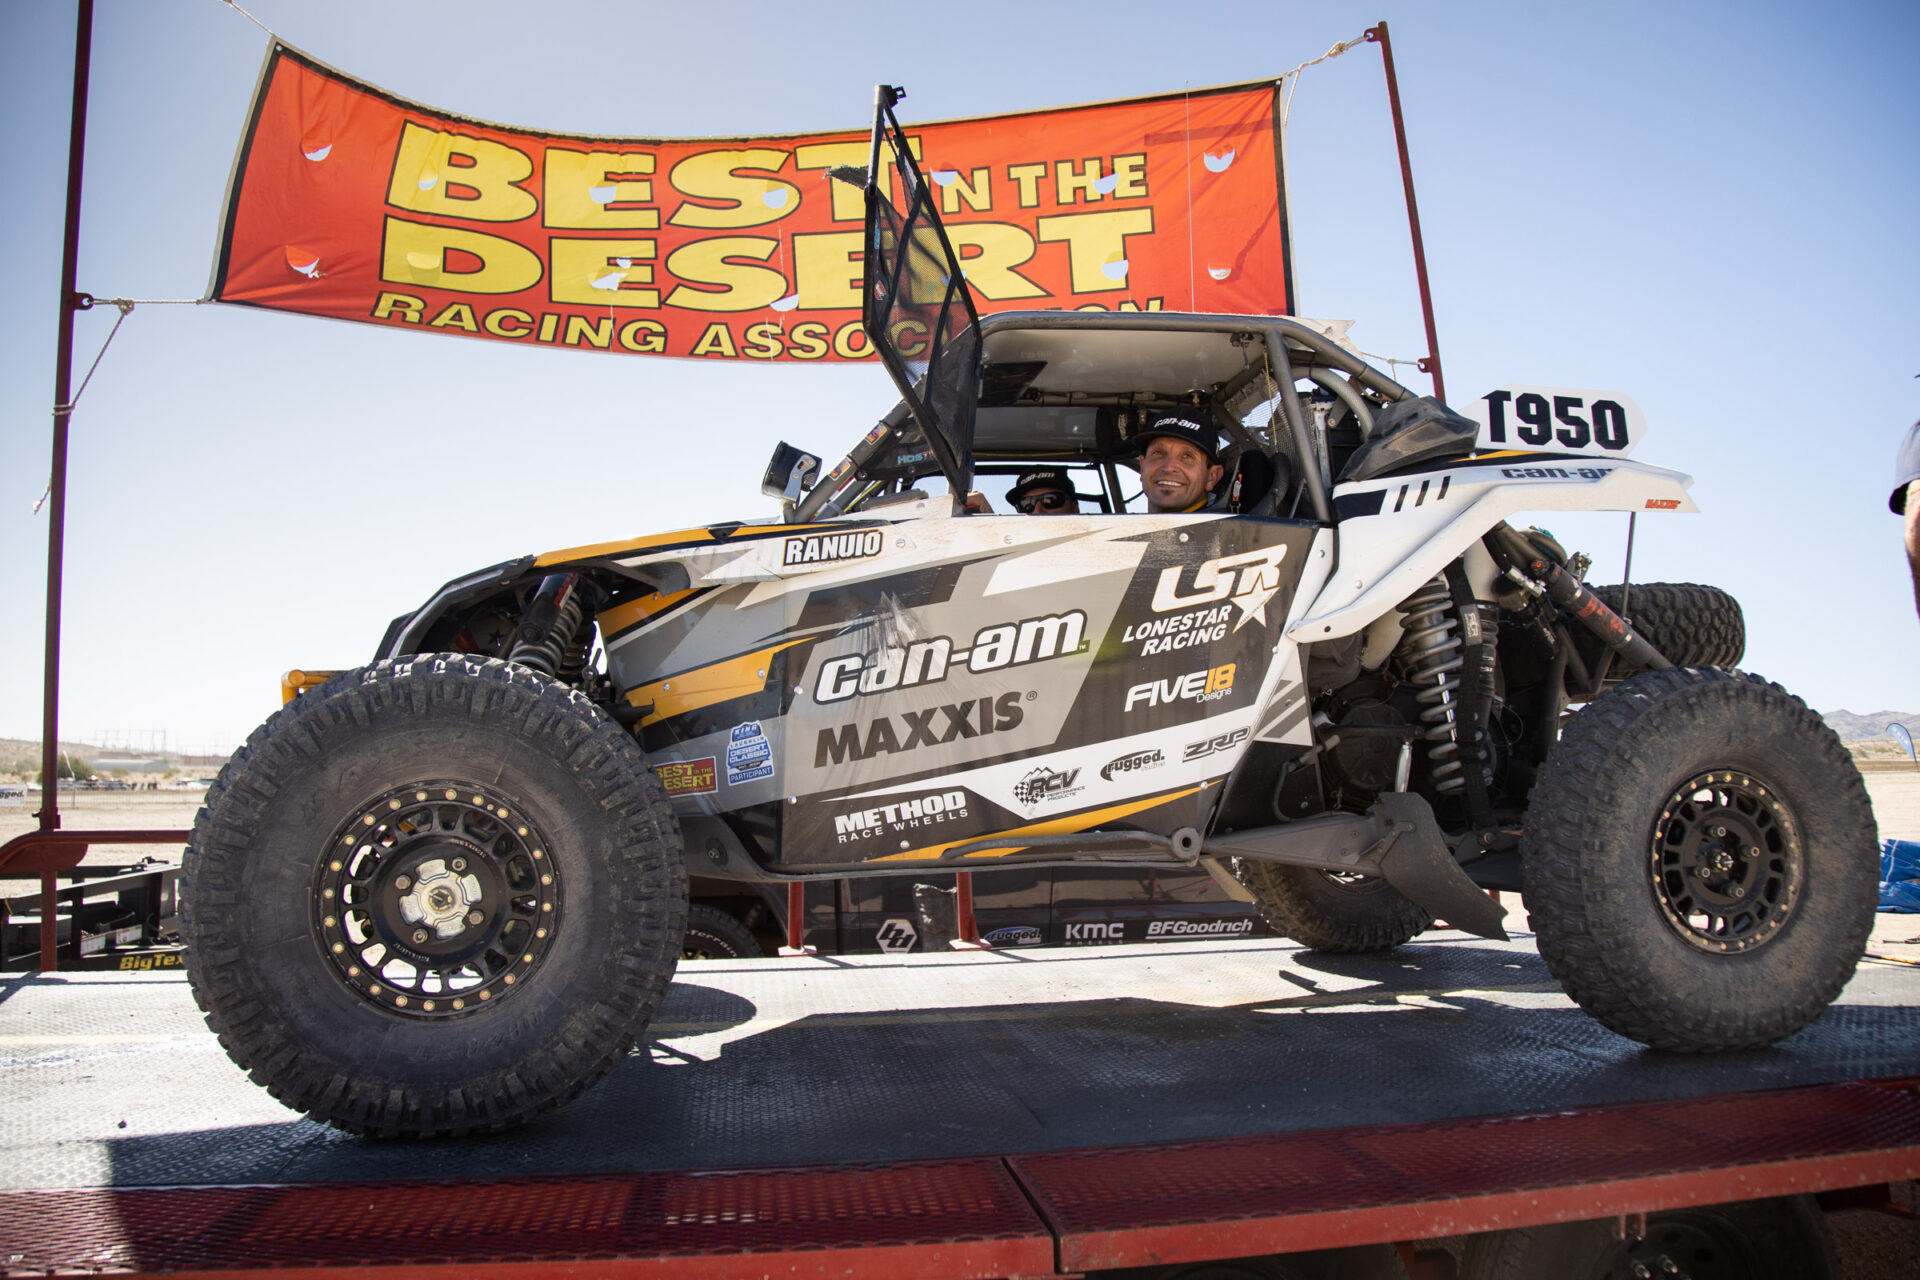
712,934
434,896
1700,862
1783,1239
1690,624
1323,912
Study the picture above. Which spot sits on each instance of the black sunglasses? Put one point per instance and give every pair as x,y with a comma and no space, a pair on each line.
1050,500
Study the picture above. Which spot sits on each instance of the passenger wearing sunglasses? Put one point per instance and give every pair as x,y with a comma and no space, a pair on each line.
1047,492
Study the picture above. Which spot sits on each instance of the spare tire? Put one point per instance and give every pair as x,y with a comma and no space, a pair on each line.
1692,625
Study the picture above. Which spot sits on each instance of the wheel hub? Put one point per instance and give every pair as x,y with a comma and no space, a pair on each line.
1686,1245
1727,862
435,899
441,898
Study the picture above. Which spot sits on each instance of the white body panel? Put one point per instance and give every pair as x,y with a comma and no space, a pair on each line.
1426,521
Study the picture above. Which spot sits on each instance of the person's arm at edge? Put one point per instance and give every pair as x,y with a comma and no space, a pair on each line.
1913,538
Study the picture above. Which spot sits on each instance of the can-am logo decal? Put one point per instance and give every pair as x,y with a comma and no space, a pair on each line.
901,815
994,648
1199,928
1220,742
1183,630
827,548
1556,473
1044,784
1133,764
1198,686
911,730
896,935
1247,581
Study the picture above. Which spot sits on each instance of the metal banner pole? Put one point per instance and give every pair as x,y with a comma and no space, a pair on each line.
49,814
1431,365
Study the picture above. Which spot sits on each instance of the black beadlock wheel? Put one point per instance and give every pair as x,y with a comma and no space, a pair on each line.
1700,863
435,896
1728,865
1325,911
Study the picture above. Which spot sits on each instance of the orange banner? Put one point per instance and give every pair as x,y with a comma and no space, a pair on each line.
349,202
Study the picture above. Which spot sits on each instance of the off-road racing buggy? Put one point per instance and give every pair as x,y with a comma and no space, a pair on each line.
445,891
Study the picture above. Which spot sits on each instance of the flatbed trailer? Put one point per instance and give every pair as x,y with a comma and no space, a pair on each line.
1039,1112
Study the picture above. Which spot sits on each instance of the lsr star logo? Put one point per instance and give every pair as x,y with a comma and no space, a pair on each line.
1248,581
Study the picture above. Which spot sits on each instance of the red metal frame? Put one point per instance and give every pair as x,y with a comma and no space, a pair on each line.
47,853
797,921
48,850
70,302
968,927
1027,1215
1359,1186
1377,34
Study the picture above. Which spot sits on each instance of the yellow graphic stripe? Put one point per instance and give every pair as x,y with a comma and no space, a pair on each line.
622,616
704,686
1051,827
683,537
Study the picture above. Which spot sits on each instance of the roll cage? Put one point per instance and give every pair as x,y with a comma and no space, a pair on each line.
1071,389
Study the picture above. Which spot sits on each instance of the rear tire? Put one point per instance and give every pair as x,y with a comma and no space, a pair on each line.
435,896
712,934
1700,862
1323,912
1783,1239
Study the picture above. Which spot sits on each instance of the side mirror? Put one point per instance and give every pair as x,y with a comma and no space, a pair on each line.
790,473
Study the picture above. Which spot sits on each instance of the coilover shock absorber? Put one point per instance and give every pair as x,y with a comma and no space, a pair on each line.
1430,653
548,637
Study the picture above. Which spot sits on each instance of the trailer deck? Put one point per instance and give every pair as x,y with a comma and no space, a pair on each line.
987,1113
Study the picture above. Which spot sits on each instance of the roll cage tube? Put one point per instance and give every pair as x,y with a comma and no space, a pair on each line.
1280,334
913,281
1310,460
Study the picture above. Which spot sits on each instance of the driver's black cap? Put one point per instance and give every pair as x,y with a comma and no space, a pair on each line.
1906,469
1181,427
1045,478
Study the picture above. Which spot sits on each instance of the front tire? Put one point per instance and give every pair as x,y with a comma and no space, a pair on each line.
1700,861
435,896
1333,913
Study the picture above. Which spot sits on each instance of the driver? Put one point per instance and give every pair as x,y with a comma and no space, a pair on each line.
1179,463
1046,492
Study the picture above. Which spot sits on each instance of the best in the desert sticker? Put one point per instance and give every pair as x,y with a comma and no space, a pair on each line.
688,777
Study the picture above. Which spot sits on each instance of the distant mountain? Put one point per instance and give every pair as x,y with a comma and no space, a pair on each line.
1871,727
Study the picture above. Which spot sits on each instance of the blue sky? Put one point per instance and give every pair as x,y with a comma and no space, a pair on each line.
1709,207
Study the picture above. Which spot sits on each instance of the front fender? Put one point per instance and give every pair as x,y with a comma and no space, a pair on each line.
406,632
1396,534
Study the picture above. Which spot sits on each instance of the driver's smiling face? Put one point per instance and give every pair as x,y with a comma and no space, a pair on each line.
1176,474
